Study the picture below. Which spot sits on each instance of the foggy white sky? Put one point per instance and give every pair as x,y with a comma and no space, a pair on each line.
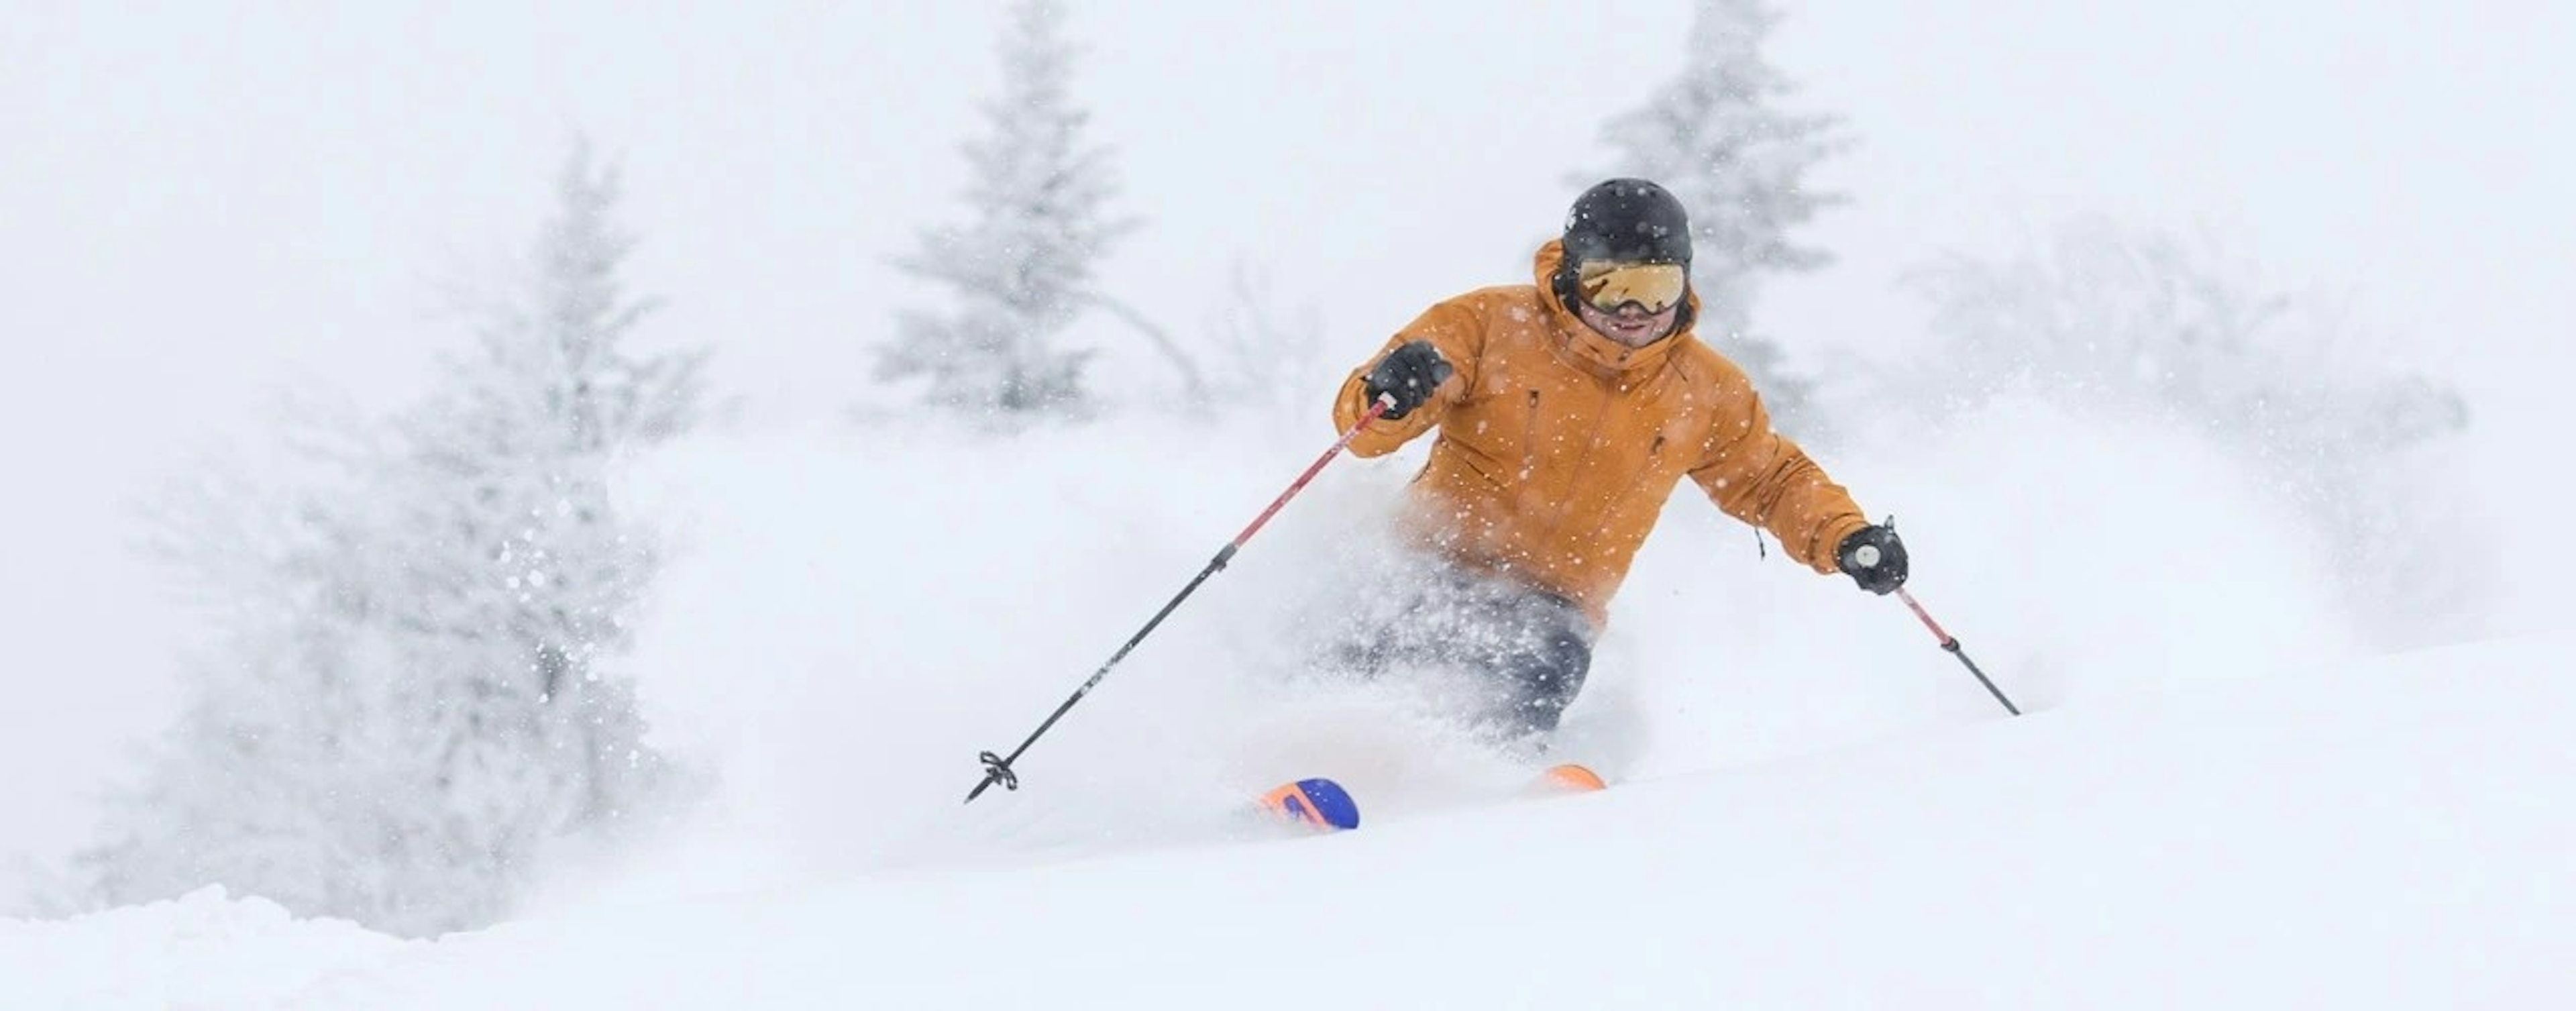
203,207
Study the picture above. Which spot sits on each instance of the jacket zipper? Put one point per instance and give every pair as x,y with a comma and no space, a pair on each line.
1559,507
1591,441
1529,440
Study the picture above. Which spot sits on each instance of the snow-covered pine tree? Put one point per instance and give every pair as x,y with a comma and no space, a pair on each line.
530,567
415,692
1020,271
1717,137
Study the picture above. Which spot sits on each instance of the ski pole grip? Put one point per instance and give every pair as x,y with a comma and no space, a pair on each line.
1866,556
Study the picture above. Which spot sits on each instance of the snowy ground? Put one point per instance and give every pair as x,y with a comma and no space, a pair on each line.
2389,834
2215,801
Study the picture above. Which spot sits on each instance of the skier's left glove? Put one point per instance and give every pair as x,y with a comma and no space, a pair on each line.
1874,558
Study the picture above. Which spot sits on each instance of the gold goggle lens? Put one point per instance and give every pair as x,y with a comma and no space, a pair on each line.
1655,286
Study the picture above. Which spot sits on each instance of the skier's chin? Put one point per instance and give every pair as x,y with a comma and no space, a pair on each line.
1635,337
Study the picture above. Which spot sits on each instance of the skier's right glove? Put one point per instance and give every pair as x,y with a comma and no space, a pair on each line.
1874,558
1406,376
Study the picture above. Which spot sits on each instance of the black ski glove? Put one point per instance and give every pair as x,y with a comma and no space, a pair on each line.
1874,558
1407,375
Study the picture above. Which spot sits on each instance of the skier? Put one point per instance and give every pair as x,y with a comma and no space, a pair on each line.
1567,411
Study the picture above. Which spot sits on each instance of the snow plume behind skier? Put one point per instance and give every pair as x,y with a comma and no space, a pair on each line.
839,738
841,742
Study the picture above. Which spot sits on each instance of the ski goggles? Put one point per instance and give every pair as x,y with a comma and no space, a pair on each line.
1607,285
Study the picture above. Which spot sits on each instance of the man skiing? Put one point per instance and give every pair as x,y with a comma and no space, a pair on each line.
1567,410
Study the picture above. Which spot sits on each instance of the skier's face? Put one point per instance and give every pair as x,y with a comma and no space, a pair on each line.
1630,324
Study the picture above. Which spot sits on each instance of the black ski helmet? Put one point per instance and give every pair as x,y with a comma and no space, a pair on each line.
1629,220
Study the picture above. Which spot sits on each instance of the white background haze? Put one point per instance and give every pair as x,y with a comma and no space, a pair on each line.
209,209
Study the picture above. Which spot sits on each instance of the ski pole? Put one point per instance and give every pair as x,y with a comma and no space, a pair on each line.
1951,643
997,768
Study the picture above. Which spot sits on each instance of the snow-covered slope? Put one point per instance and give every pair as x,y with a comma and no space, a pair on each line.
2214,802
2391,833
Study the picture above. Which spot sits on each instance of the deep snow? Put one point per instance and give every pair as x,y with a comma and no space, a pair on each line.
2215,801
2389,833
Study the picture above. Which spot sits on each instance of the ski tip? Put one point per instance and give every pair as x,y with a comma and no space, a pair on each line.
1571,778
1320,804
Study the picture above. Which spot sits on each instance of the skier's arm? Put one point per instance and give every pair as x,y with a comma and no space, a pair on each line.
1453,327
1761,477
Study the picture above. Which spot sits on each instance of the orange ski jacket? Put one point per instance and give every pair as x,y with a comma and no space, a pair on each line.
1558,447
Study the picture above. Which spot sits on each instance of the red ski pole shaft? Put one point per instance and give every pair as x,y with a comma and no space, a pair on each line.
997,768
1951,643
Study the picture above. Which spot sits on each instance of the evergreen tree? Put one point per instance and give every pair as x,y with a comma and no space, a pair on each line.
1020,272
415,692
1717,138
